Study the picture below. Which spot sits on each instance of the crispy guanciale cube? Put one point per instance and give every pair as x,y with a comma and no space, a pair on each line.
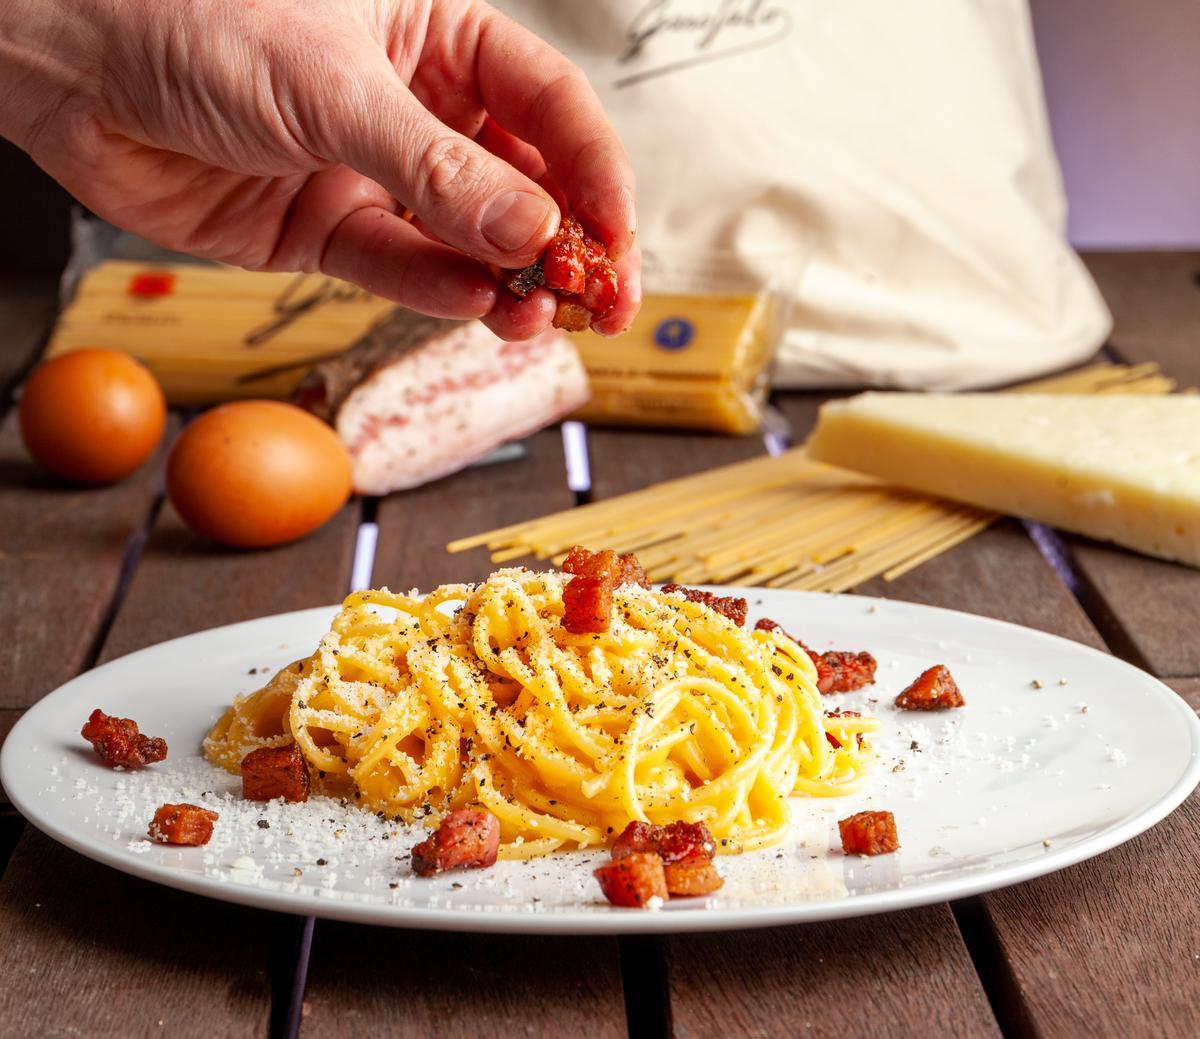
847,671
271,772
466,839
838,671
732,607
632,571
118,741
584,563
182,824
633,880
600,291
695,875
673,842
869,833
571,315
524,281
588,597
587,606
933,690
576,268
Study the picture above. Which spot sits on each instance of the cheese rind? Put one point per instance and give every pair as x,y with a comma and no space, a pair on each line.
1122,469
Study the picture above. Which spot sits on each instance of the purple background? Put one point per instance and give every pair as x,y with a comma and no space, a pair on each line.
1122,80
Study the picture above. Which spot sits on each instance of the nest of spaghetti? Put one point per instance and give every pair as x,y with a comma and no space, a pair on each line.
415,706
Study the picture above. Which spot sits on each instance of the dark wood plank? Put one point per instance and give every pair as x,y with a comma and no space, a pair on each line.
1147,609
90,951
184,584
415,526
91,932
405,983
27,307
900,974
8,718
1108,947
799,980
627,460
59,567
1189,689
1155,302
61,547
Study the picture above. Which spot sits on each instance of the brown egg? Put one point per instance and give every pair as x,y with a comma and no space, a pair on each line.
92,416
257,473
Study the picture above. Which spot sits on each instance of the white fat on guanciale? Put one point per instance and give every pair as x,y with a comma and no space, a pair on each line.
449,403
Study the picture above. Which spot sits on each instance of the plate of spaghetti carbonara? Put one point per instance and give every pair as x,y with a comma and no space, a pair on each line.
575,751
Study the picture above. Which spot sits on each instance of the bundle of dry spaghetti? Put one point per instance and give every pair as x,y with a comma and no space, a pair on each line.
211,333
782,522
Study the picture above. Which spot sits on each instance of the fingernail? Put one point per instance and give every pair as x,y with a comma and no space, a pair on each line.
512,219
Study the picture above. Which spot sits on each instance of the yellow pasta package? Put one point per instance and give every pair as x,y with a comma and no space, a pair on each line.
699,353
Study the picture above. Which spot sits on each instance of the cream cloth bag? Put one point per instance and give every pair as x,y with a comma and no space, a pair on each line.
907,141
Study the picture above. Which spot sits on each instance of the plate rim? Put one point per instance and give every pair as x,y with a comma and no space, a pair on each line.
613,920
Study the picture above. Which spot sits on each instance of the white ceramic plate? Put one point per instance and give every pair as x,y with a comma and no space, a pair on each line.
1020,782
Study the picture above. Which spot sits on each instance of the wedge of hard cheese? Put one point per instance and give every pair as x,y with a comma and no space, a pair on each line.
1123,469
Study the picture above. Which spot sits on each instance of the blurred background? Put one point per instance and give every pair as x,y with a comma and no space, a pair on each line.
1121,83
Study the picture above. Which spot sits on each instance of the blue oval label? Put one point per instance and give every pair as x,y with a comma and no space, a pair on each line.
674,333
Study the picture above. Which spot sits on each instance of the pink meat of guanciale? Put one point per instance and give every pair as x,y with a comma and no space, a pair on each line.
418,398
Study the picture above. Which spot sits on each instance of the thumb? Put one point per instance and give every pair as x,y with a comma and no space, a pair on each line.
460,192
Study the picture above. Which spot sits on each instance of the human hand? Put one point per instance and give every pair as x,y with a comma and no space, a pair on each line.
300,134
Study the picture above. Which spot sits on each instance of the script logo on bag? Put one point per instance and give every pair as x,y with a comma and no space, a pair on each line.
667,36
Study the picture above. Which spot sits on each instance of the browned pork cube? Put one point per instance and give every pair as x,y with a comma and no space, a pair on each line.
933,690
182,824
692,876
634,880
271,772
118,741
869,833
466,839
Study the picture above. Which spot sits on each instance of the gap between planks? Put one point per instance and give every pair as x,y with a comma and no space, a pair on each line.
1114,634
131,555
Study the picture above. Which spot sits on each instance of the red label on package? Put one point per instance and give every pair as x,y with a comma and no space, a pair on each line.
149,284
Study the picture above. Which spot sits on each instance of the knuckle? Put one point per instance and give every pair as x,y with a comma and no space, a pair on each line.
557,94
449,170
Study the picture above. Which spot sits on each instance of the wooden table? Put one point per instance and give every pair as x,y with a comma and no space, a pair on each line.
1107,948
